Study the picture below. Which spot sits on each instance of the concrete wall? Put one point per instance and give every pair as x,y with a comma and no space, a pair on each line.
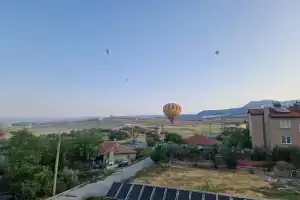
256,130
276,132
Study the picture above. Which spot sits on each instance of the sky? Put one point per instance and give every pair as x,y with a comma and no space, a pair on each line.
53,62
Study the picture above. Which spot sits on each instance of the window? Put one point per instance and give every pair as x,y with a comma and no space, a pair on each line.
285,124
286,140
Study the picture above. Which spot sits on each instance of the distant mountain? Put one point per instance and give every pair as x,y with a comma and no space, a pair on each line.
242,110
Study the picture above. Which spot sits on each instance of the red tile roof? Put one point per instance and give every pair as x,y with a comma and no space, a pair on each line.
114,146
294,113
201,140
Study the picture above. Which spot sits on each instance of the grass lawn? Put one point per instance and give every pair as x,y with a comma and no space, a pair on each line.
229,182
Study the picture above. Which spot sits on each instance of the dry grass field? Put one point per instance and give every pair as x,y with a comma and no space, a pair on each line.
185,128
181,127
228,182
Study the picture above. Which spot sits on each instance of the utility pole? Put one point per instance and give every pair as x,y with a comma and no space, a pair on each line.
56,165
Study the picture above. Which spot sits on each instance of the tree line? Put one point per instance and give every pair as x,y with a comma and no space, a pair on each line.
28,161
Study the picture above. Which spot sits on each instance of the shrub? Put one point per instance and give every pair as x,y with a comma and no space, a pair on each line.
143,152
259,154
281,154
156,156
230,160
150,142
295,157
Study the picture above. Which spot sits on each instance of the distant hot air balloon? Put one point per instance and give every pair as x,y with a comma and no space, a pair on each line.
172,111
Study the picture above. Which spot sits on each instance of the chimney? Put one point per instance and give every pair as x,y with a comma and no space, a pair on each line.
116,145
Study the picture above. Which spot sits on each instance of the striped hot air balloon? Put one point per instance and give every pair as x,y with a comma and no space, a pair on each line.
172,111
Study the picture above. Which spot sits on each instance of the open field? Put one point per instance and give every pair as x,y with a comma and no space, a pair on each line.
185,128
228,182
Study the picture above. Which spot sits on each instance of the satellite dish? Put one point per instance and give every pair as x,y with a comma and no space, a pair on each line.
276,104
297,104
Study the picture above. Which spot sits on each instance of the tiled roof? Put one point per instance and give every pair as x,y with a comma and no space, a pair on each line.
294,112
114,146
256,111
201,140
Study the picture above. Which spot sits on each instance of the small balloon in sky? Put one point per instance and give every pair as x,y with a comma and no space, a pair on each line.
107,51
217,52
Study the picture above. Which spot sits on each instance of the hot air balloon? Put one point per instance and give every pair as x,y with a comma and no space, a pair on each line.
172,111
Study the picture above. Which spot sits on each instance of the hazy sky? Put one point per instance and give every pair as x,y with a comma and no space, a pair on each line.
52,60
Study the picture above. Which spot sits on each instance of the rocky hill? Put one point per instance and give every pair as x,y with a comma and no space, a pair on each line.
242,110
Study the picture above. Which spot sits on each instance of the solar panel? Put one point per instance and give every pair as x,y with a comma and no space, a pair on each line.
282,110
113,189
196,196
209,196
171,194
135,192
239,198
158,193
223,197
183,195
124,191
147,191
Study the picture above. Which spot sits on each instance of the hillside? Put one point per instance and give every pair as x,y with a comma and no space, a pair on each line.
242,110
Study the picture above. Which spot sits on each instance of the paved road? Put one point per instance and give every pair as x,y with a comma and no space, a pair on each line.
100,188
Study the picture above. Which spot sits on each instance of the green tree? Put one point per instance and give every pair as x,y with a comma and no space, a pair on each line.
118,135
84,146
236,137
174,137
23,173
152,139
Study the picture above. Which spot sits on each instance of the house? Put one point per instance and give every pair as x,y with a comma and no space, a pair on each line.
201,140
275,126
5,135
113,151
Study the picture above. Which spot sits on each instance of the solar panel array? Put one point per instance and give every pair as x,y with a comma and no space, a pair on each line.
127,191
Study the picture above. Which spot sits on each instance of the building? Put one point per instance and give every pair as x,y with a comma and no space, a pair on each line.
201,140
5,136
275,126
116,152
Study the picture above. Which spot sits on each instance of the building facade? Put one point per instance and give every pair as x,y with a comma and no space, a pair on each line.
275,126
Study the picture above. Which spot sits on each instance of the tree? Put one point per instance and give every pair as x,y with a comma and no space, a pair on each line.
30,161
118,135
152,139
236,137
84,146
25,176
174,137
229,157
